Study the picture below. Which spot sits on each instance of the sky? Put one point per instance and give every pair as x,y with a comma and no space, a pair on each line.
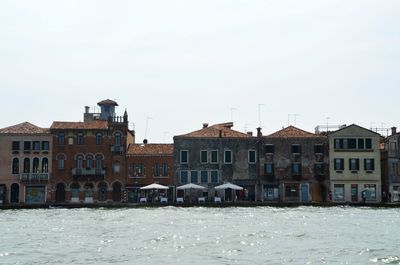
175,65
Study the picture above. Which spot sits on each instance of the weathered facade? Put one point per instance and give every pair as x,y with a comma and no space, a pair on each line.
355,171
391,164
25,164
214,155
294,166
89,158
147,164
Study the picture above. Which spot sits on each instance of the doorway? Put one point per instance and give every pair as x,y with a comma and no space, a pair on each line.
14,193
60,193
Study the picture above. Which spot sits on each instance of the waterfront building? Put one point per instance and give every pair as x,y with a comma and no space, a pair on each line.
25,164
294,166
89,157
214,155
355,171
391,176
147,164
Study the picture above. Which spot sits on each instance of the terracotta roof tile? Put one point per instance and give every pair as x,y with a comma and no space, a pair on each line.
24,128
292,131
90,125
222,130
151,149
108,102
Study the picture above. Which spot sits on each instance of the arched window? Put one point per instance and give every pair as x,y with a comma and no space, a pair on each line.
79,161
89,161
15,166
99,138
61,161
99,161
35,168
117,167
27,165
117,138
45,165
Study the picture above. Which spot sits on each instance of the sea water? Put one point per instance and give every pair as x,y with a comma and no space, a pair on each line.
173,235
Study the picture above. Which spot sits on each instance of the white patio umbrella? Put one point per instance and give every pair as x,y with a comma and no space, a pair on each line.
228,185
154,186
191,186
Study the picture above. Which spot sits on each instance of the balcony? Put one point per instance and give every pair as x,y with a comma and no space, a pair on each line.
117,149
34,177
88,174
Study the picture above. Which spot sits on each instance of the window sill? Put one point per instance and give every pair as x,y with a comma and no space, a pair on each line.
369,171
137,177
339,171
354,171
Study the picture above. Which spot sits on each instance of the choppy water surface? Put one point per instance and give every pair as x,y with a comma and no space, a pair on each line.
201,236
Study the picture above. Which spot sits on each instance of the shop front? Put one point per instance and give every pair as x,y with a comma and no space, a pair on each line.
35,194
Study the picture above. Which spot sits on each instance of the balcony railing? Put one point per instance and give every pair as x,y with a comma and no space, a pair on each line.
93,174
34,177
117,149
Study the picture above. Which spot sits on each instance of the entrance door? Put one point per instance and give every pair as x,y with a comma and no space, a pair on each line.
2,194
304,193
14,193
102,192
116,193
60,193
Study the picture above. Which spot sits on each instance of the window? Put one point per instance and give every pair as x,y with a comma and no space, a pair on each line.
79,161
184,157
338,192
354,192
27,165
45,165
36,146
228,157
184,176
370,192
368,143
352,143
204,156
194,176
319,168
268,169
70,140
45,146
79,138
354,164
252,157
214,176
27,146
395,168
214,156
360,143
117,139
117,167
99,161
296,169
296,149
137,169
369,164
318,149
165,169
75,191
269,148
35,166
89,161
15,166
99,139
338,164
204,176
15,146
339,144
60,161
61,138
156,170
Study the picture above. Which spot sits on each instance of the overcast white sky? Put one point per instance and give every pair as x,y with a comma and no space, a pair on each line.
183,63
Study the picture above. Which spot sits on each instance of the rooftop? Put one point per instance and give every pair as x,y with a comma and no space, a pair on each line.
151,149
108,102
222,130
24,128
292,131
89,125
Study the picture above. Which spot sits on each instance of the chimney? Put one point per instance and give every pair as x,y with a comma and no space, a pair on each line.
394,130
259,133
145,141
250,133
87,109
205,125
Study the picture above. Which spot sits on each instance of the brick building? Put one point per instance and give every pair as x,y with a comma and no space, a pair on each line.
147,164
25,164
294,166
89,157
